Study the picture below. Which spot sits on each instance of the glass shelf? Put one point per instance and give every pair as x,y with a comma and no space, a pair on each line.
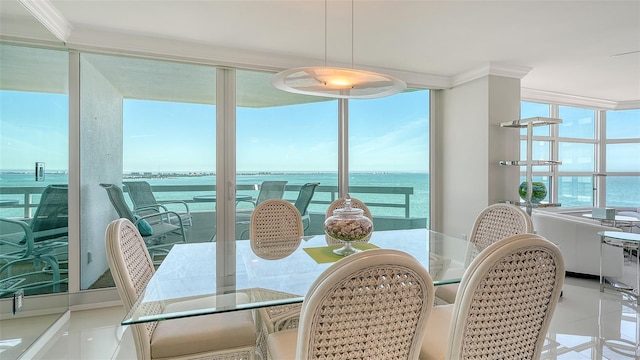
528,124
533,163
535,121
532,205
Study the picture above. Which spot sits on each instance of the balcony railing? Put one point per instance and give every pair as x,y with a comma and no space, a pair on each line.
385,197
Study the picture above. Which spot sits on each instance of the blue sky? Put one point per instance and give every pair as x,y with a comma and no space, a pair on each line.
33,127
389,134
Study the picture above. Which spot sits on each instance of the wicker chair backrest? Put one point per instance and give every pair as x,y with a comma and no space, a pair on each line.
496,222
509,294
276,229
369,305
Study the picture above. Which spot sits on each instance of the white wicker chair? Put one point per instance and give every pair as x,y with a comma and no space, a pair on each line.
369,305
494,223
219,336
504,306
276,229
355,203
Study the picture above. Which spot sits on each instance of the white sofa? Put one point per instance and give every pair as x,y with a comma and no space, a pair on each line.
578,240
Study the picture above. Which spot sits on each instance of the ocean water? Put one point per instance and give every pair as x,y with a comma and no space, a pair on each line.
419,200
622,191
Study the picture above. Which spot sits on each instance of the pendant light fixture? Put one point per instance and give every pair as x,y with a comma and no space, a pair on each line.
334,82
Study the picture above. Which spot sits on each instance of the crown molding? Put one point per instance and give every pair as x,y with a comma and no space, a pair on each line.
578,101
26,30
49,16
498,69
87,39
628,105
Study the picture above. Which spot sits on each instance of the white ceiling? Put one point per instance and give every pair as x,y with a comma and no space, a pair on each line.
582,49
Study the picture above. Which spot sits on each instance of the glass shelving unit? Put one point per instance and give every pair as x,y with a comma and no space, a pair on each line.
529,163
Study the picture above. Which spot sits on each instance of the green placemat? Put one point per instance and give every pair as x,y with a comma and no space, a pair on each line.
324,254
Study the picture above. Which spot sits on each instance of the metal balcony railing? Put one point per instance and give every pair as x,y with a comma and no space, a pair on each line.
386,197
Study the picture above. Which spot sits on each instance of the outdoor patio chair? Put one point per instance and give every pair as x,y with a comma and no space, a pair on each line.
504,306
31,252
160,230
495,222
370,305
144,202
302,202
269,190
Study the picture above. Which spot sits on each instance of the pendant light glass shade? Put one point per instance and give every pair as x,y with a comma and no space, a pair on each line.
337,82
334,82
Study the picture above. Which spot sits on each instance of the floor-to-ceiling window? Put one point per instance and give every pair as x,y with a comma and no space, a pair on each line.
155,121
34,155
389,149
622,147
150,122
598,150
576,151
294,138
34,177
284,137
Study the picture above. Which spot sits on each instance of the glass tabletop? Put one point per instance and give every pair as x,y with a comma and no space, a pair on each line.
619,235
185,284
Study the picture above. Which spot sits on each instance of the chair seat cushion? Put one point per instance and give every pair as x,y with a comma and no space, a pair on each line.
202,334
437,335
282,344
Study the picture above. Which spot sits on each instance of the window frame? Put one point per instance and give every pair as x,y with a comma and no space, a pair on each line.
600,142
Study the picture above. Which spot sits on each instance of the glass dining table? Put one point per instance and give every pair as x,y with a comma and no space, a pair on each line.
186,283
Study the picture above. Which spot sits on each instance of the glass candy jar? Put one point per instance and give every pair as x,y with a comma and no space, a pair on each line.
347,225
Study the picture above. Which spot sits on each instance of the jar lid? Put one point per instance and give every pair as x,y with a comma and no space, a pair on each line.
347,210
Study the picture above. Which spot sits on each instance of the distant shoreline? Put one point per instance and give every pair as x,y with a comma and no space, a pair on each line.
165,174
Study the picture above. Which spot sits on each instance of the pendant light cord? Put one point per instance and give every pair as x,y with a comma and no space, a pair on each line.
325,33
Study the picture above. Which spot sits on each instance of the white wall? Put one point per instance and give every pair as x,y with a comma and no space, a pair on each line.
100,162
504,143
470,145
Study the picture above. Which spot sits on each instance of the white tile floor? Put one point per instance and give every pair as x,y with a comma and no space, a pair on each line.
587,325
